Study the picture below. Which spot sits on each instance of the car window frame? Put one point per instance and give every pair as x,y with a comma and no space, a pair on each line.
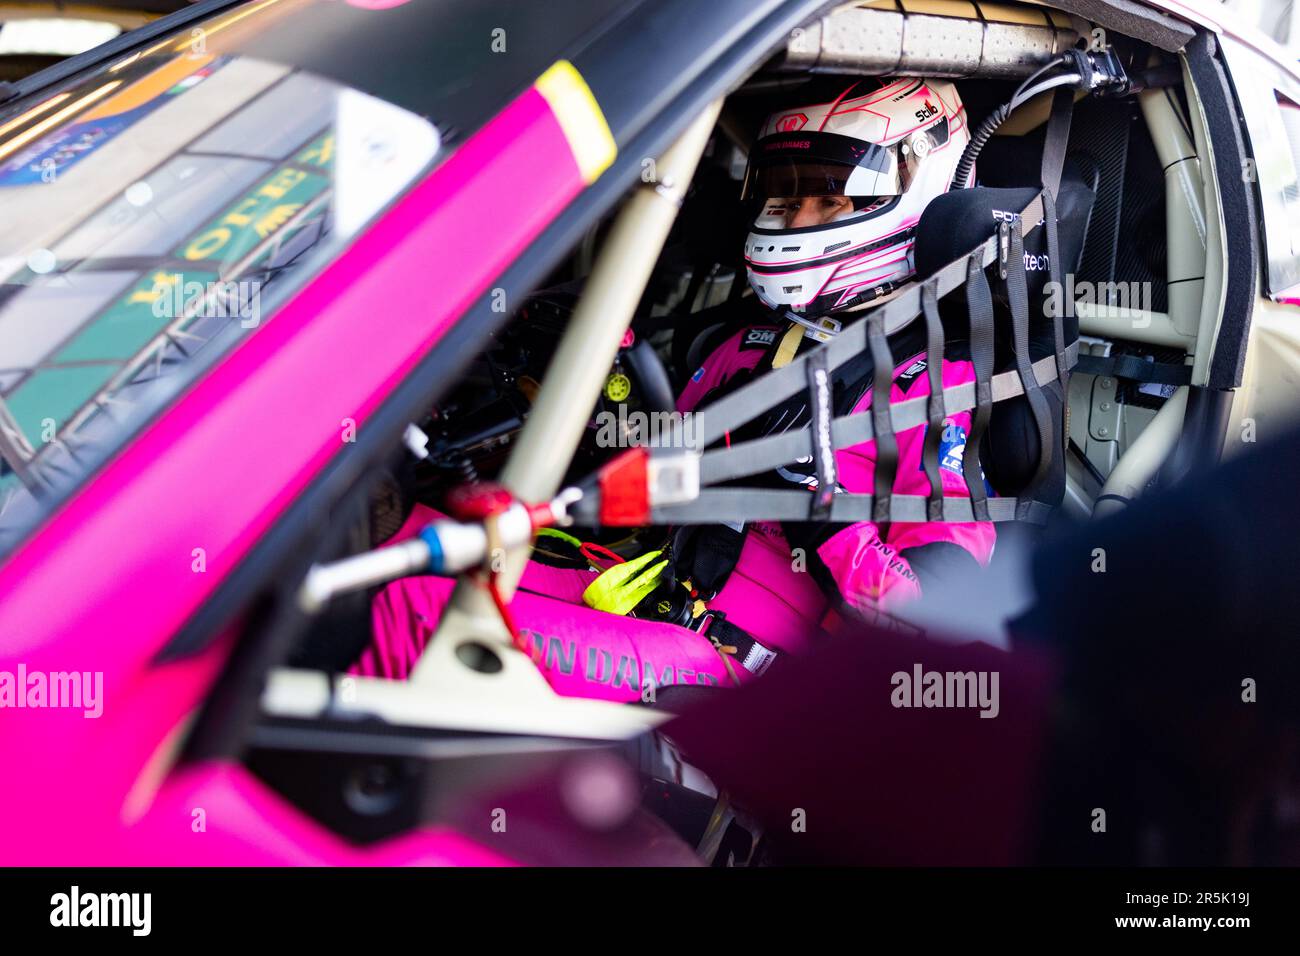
1258,82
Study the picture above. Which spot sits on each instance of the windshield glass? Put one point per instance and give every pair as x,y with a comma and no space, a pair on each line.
156,212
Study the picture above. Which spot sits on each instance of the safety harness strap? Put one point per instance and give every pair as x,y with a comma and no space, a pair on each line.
979,308
780,504
735,642
1054,270
1056,139
1055,143
882,417
1135,368
1013,271
819,402
934,403
763,454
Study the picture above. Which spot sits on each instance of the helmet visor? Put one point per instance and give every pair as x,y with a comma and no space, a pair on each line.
790,165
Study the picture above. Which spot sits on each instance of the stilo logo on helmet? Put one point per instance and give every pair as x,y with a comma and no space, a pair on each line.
925,112
840,203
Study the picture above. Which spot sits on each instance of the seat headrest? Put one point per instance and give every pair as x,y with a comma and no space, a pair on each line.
957,221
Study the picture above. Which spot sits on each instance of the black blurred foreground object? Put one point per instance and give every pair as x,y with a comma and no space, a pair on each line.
1126,702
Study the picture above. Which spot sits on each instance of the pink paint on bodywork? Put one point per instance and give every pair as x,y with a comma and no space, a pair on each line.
70,774
244,824
110,578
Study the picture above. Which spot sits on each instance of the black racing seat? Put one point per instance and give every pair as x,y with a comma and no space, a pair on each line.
958,221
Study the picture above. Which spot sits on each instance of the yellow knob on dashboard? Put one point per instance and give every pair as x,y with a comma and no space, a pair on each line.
618,387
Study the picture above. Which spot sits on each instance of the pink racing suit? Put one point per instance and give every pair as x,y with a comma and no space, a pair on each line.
867,564
769,594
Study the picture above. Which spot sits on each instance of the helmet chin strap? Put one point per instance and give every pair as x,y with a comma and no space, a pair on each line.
824,328
821,329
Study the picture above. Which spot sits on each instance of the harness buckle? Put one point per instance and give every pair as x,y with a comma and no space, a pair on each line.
1004,248
673,479
703,625
700,625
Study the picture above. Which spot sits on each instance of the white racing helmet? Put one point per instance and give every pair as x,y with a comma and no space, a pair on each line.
890,148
